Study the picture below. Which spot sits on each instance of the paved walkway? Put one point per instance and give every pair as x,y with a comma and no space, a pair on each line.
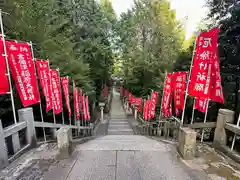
120,155
123,156
118,124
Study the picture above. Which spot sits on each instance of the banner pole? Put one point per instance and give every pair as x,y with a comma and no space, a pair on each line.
69,116
53,102
8,70
205,119
193,110
74,105
189,79
61,95
235,135
40,102
160,114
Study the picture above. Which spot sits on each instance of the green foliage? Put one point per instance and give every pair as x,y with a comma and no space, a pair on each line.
73,36
150,39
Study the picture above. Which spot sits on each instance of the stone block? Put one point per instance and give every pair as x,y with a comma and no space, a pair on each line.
26,114
64,142
187,142
3,149
220,136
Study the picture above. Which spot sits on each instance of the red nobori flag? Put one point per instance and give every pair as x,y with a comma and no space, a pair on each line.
87,108
23,72
56,90
201,104
121,90
179,87
4,85
76,103
65,85
167,96
130,98
138,103
216,92
145,110
200,80
44,76
153,102
81,101
84,108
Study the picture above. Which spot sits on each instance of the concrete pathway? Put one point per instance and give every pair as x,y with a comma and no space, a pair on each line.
123,156
118,124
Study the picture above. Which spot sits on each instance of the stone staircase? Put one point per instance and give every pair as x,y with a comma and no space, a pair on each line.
118,124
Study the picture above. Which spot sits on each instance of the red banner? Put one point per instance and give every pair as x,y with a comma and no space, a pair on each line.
146,111
121,90
81,101
23,72
179,87
65,85
201,104
84,108
200,80
217,91
153,102
138,104
44,76
87,109
130,98
167,96
76,103
4,85
56,90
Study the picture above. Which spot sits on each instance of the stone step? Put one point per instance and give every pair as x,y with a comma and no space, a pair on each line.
118,122
117,130
121,133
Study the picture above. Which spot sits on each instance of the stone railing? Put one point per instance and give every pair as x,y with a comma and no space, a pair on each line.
27,125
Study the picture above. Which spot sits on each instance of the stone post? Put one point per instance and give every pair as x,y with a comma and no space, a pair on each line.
26,114
3,149
220,136
166,129
135,113
64,142
78,128
187,142
101,105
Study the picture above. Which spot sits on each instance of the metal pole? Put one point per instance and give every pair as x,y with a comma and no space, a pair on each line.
53,102
205,119
160,114
234,138
193,110
8,71
189,77
61,95
40,102
69,107
73,103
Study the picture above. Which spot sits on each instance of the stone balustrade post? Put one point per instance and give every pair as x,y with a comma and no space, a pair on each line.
26,114
135,113
3,149
101,105
187,142
64,142
220,136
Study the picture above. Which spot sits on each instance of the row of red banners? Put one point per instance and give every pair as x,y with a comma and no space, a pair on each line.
205,79
22,67
149,105
204,83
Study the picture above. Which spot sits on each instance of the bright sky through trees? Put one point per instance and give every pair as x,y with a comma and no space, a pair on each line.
194,9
